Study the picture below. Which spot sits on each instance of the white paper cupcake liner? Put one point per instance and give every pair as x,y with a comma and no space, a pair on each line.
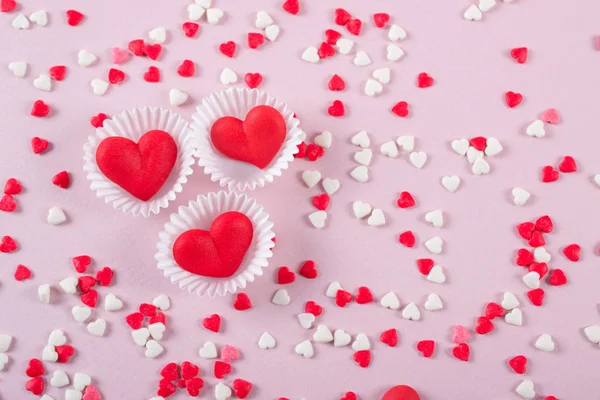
200,214
237,102
133,124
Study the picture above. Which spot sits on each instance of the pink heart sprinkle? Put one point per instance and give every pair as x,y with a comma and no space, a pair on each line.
91,393
229,353
461,334
119,56
597,42
551,116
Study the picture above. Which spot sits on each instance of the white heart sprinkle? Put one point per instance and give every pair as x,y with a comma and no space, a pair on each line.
39,17
592,333
394,52
266,341
435,217
486,5
390,300
318,218
460,146
540,255
472,13
492,147
473,154
311,178
281,298
263,20
228,76
383,75
406,143
361,139
396,33
3,361
305,349
514,317
44,293
361,342
451,183
545,343
332,289
177,97
56,338
222,391
112,303
520,196
418,158
97,327
480,167
324,139
214,15
364,157
433,303
435,245
526,388
59,379
361,58
436,274
377,218
195,12
597,179
153,349
85,58
81,313
56,216
373,87
344,45
99,86
311,55
157,330
5,342
271,32
389,149
360,174
49,354
140,336
43,82
509,301
306,320
72,394
20,22
204,3
322,334
81,381
162,301
536,129
361,209
411,312
18,68
341,338
330,185
208,351
532,280
158,35
69,285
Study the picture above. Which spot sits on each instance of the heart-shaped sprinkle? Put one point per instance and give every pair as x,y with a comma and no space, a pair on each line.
567,165
341,16
313,308
536,296
308,269
435,245
400,109
424,80
472,13
411,312
281,298
389,337
407,238
390,300
363,295
513,99
336,83
396,33
484,326
557,277
284,276
436,274
526,389
426,348
22,273
519,54
74,17
460,334
242,302
342,298
212,323
518,364
266,341
336,109
520,196
462,352
305,349
493,310
514,317
550,116
361,58
509,301
362,358
545,343
435,217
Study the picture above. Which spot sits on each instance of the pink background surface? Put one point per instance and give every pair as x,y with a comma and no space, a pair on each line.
472,69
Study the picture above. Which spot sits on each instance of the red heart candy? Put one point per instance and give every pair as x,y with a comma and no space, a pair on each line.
186,69
291,6
342,16
253,79
64,353
381,19
484,325
85,283
135,320
242,302
228,48
513,99
62,180
342,298
38,145
325,50
7,5
242,388
193,386
181,383
524,257
189,370
115,76
256,140
22,273
537,239
170,371
526,230
407,238
540,268
285,276
425,265
74,17
518,364
7,203
34,368
478,142
406,200
212,323
40,109
58,72
572,252
105,276
136,47
7,245
332,36
314,152
139,168
152,50
90,298
190,29
519,54
91,393
389,337
364,295
550,398
309,270
165,388
426,347
462,352
336,109
567,165
313,308
221,369
336,83
35,386
425,81
12,186
363,358
255,40
159,317
97,121
544,224
401,109
152,75
536,296
493,310
149,310
557,277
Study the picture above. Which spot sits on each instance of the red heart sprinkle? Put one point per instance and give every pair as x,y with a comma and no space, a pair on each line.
221,369
536,296
425,265
342,298
425,81
291,6
518,364
90,298
462,352
513,99
354,26
64,353
401,109
342,16
7,203
550,398
313,308
228,49
524,257
159,317
363,358
349,396
58,72
165,388
285,276
478,142
557,277
187,69
407,238
253,79
97,121
301,151
572,252
336,83
389,337
326,50
7,5
136,47
212,323
7,245
193,386
242,388
190,29
40,109
105,276
540,268
152,50
152,75
336,109
135,320
189,370
115,76
519,54
255,40
493,310
567,165
314,151
484,325
242,302
12,186
537,239
309,268
321,202
181,383
22,273
526,230
364,295
34,368
38,145
406,200
332,36
86,282
426,347
381,19
149,310
544,224
62,180
35,386
170,371
74,17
